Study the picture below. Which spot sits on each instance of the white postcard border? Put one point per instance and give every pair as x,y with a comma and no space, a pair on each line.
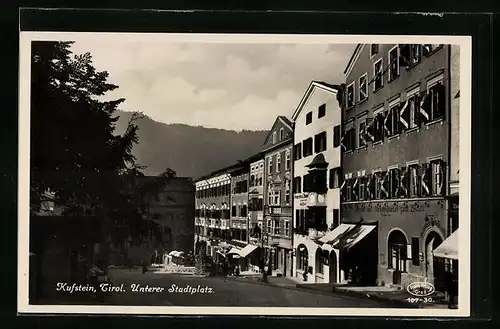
465,43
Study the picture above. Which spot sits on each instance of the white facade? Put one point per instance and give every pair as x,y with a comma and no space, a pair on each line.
317,95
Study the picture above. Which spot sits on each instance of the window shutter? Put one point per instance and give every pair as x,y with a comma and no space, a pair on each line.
404,115
403,187
368,187
424,108
342,190
384,184
369,129
425,175
404,55
441,100
336,136
354,189
396,119
397,182
387,123
442,186
415,103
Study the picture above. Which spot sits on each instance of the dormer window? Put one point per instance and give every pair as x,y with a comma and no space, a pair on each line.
282,134
274,137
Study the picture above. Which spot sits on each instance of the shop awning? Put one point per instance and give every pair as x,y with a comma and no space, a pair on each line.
176,253
234,251
449,247
332,235
345,236
247,250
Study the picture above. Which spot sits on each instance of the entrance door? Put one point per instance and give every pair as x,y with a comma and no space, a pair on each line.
435,266
332,262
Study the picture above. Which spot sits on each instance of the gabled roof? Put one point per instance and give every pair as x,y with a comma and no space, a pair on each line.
314,84
353,58
286,121
288,124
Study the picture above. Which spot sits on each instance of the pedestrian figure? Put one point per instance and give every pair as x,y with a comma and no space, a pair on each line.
144,267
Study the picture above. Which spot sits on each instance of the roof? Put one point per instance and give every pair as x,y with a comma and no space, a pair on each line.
314,84
353,58
286,121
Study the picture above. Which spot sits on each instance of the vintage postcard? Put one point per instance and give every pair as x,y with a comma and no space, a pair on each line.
244,174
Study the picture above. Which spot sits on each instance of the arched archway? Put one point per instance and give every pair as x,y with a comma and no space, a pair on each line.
434,266
302,257
396,254
318,262
332,262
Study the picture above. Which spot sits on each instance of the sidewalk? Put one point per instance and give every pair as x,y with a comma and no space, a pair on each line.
391,296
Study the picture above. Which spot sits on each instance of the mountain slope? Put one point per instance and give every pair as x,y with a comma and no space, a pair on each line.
190,151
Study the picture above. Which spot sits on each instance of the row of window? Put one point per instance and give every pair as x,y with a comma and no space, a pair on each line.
316,181
417,110
240,187
274,196
406,182
281,136
278,168
214,191
313,218
305,148
321,113
407,55
236,211
277,227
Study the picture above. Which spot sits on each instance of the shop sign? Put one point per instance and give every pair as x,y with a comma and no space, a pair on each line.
390,207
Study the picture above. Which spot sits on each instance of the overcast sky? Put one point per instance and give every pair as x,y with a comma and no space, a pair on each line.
223,85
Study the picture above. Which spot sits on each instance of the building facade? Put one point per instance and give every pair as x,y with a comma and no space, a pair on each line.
256,209
212,214
395,162
316,193
278,207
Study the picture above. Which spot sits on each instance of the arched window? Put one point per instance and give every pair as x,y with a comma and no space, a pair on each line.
302,258
319,261
396,247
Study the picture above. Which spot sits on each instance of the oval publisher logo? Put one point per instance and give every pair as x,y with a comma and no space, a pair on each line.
420,289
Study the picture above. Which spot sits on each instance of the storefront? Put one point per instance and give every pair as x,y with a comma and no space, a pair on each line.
407,233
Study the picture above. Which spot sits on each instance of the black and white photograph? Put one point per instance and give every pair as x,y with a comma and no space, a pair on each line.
244,174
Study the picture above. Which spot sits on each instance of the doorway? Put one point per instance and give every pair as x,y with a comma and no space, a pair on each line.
434,266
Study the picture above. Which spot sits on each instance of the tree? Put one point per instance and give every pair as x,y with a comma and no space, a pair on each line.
76,159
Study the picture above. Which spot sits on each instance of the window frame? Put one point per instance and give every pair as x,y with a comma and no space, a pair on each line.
288,160
372,54
390,76
278,163
365,75
353,86
361,120
375,74
321,110
282,134
309,117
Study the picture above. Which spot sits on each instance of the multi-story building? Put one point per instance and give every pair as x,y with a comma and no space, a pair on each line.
256,198
449,248
396,154
256,210
212,214
172,207
277,233
222,227
316,182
